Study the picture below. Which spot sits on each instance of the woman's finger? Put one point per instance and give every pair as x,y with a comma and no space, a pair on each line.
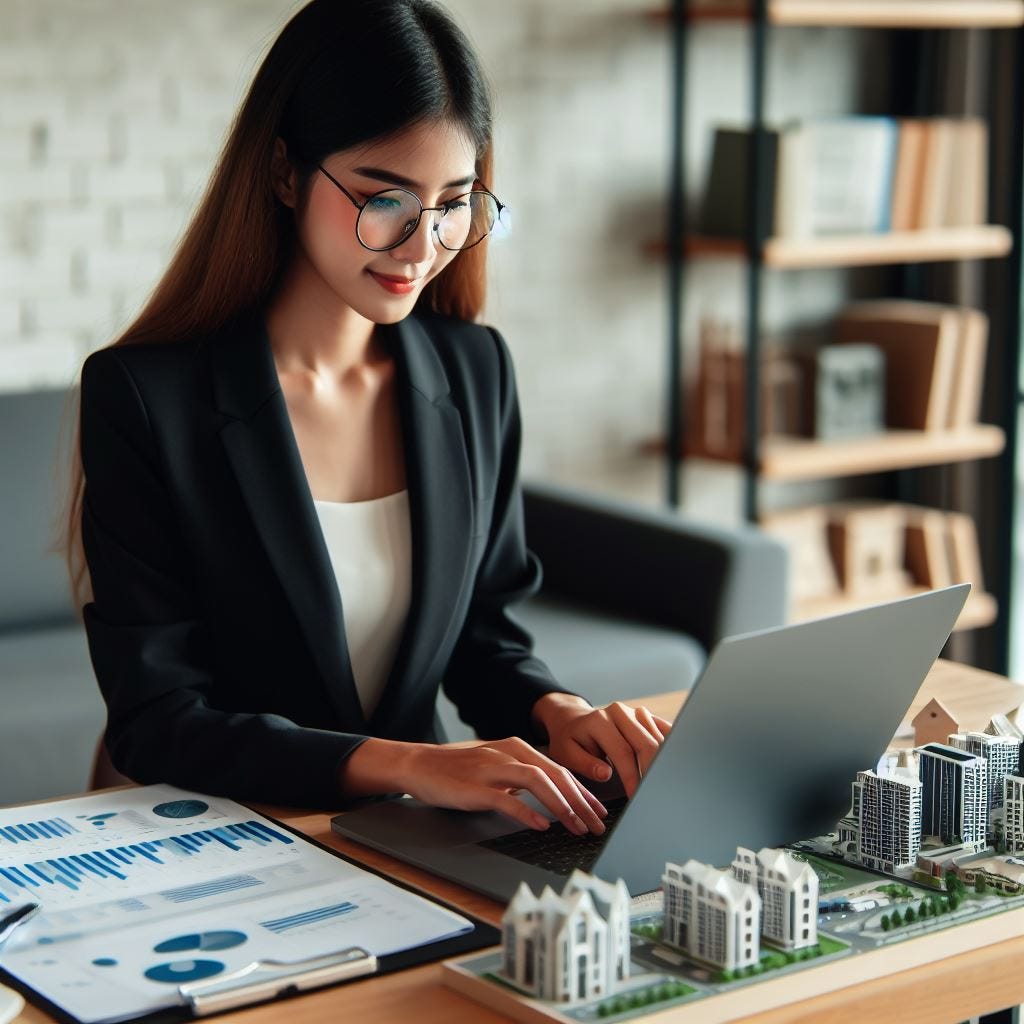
648,721
574,794
643,742
663,724
583,756
619,751
543,786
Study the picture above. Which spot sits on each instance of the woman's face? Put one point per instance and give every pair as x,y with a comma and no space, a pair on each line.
435,161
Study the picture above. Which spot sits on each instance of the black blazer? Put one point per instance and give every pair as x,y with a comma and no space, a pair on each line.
216,629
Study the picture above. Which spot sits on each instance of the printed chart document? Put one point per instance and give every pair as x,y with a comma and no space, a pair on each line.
145,889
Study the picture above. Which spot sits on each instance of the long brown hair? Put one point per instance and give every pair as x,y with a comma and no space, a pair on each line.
339,74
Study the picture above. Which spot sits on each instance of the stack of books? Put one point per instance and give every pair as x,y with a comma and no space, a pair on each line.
934,359
852,176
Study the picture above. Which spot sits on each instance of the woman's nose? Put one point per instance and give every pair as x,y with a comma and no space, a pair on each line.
422,244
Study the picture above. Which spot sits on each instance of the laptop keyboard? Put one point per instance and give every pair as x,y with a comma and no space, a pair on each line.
557,849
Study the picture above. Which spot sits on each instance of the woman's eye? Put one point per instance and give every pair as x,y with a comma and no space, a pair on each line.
455,204
383,203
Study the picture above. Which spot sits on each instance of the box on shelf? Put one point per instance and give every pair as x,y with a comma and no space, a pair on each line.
867,541
804,533
848,392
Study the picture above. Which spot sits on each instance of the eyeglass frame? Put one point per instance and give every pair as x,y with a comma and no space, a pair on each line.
423,209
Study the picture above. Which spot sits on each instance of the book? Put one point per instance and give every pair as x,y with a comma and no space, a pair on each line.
920,341
927,548
906,190
967,198
962,550
969,370
937,180
724,211
836,176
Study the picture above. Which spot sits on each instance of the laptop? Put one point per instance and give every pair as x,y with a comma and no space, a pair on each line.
762,753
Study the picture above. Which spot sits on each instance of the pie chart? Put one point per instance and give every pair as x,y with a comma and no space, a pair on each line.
181,971
181,809
206,941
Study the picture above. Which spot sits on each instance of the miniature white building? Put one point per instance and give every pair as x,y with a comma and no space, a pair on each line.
954,795
1013,813
788,888
1004,725
570,947
1002,754
888,808
711,915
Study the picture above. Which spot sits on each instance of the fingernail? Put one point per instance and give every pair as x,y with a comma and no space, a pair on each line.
539,821
604,772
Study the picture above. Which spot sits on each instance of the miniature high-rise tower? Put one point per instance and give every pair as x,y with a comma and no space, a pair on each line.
954,795
889,814
1002,754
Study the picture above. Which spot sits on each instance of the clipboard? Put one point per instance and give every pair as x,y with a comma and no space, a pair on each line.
265,981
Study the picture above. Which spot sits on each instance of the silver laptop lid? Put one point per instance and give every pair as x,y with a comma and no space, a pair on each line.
774,732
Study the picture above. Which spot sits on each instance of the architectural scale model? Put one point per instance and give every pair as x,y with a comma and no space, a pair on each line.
946,810
932,848
569,947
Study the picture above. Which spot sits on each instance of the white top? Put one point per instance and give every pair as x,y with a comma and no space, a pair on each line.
370,546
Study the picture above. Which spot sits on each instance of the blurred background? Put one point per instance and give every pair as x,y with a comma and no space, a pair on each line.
854,291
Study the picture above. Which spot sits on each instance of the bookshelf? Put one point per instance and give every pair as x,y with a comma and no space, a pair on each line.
799,459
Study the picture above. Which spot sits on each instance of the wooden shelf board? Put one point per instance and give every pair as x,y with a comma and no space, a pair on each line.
985,241
803,459
800,458
981,609
867,13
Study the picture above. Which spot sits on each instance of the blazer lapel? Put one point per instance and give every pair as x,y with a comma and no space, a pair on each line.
441,513
261,448
260,445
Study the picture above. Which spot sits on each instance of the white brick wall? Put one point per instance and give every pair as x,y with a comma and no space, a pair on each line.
111,115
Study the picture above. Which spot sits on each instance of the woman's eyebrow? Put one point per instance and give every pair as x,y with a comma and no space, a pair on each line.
398,179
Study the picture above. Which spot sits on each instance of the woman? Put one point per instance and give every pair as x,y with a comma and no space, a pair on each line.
300,509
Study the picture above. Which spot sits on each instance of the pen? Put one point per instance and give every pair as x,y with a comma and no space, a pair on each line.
17,917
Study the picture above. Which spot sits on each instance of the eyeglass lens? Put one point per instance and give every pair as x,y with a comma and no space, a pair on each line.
390,217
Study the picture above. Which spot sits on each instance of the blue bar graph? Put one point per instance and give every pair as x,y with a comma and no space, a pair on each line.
115,864
33,831
282,924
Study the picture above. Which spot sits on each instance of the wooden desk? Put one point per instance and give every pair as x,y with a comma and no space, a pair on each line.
955,989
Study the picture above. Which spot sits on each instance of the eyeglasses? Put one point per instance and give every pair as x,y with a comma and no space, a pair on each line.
390,216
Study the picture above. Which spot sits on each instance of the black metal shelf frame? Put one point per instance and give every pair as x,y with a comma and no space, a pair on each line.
758,212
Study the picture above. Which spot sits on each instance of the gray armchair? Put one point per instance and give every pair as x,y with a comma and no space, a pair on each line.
52,710
633,600
632,603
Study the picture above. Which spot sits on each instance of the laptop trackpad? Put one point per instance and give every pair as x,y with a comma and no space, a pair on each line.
405,822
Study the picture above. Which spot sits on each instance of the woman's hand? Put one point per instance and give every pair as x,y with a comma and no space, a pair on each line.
585,739
478,776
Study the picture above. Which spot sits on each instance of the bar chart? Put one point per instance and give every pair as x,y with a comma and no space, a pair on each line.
30,879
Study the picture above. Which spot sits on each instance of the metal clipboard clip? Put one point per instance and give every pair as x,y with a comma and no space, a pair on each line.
268,979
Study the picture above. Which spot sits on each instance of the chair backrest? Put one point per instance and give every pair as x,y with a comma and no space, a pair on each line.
34,588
